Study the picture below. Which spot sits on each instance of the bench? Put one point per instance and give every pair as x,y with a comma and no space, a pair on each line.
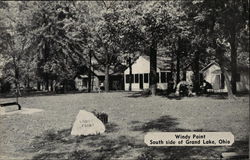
11,104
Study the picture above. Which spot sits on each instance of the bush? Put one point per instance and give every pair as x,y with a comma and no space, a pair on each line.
4,86
146,92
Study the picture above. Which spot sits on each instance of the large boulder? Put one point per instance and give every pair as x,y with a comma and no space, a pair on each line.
87,123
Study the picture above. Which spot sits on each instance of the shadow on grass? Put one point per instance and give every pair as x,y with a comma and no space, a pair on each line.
145,94
61,145
172,96
240,146
219,96
164,123
40,93
140,94
111,128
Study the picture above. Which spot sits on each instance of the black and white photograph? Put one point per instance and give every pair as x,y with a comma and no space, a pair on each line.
124,80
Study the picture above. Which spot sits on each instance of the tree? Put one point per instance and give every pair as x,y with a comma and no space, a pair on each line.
131,37
60,35
232,19
14,41
106,39
225,21
157,21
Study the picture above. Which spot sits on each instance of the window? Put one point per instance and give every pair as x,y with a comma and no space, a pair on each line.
136,78
163,77
169,77
222,84
128,78
157,77
145,77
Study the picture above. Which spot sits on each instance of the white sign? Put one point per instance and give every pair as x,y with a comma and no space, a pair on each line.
189,139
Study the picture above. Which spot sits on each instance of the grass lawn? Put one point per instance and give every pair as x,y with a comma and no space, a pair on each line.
46,135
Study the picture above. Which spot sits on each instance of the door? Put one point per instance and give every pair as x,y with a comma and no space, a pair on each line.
216,84
141,81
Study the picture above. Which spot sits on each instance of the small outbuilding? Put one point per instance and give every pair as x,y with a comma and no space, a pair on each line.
97,80
213,75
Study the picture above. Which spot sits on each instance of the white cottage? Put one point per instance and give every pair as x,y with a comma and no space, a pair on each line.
81,82
140,73
97,80
212,74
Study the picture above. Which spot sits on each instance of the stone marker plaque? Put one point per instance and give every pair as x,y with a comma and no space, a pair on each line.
87,123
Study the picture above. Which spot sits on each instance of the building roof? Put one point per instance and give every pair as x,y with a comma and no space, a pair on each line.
209,65
241,67
163,63
114,70
100,71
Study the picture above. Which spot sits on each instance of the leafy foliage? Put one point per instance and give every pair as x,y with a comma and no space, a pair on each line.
45,41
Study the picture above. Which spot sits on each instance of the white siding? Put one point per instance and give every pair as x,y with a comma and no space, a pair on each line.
211,75
214,70
141,66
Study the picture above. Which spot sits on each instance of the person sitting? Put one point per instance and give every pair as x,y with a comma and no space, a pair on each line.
206,86
183,88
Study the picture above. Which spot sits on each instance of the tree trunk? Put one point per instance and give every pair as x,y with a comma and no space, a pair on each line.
28,82
171,80
178,61
196,72
233,63
17,83
89,73
153,70
177,68
51,86
38,86
46,82
220,55
106,81
64,86
18,93
130,74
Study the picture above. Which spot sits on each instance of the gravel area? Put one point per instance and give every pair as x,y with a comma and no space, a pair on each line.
46,134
